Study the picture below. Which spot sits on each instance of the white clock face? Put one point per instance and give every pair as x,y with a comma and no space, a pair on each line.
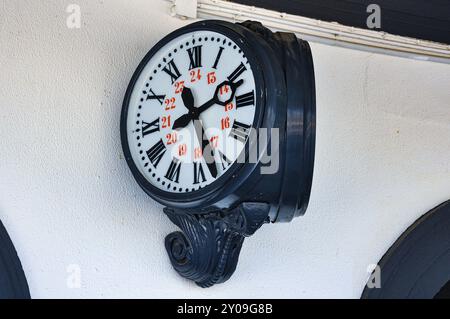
194,97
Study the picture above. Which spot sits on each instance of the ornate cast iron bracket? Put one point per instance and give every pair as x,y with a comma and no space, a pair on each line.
207,251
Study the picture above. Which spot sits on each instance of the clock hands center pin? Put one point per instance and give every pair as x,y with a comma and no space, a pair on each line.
194,112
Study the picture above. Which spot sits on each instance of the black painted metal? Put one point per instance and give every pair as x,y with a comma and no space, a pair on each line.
299,145
216,219
417,266
13,283
207,250
300,127
428,20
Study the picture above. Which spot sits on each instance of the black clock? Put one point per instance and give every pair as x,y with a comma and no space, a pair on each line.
218,125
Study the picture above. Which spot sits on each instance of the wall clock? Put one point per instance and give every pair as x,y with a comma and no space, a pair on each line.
218,125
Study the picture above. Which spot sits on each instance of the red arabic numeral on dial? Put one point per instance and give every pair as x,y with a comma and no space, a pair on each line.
170,104
166,121
224,89
225,123
171,138
179,87
229,106
182,149
214,141
211,77
198,152
195,75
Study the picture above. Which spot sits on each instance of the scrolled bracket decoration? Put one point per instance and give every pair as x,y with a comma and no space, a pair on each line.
207,250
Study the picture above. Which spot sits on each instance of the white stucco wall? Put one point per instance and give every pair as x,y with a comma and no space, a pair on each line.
67,196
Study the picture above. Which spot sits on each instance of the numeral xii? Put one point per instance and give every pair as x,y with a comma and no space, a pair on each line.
195,57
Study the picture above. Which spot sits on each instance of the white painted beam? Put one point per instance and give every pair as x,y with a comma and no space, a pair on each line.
331,33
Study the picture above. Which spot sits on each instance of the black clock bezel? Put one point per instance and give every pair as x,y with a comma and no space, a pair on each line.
235,175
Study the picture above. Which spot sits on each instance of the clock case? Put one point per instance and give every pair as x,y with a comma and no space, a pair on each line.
215,220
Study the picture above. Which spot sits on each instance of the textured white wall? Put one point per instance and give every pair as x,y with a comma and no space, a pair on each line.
67,196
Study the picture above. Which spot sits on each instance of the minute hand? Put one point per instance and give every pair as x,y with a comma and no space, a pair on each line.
215,100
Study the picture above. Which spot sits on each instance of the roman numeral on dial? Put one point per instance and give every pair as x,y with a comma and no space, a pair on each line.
245,99
195,57
219,54
199,174
240,131
173,173
152,96
156,152
172,70
224,160
148,128
236,73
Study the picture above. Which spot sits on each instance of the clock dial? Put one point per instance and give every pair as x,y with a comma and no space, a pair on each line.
191,111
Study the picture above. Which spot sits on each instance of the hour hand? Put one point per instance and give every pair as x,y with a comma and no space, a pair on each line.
182,121
188,98
188,101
